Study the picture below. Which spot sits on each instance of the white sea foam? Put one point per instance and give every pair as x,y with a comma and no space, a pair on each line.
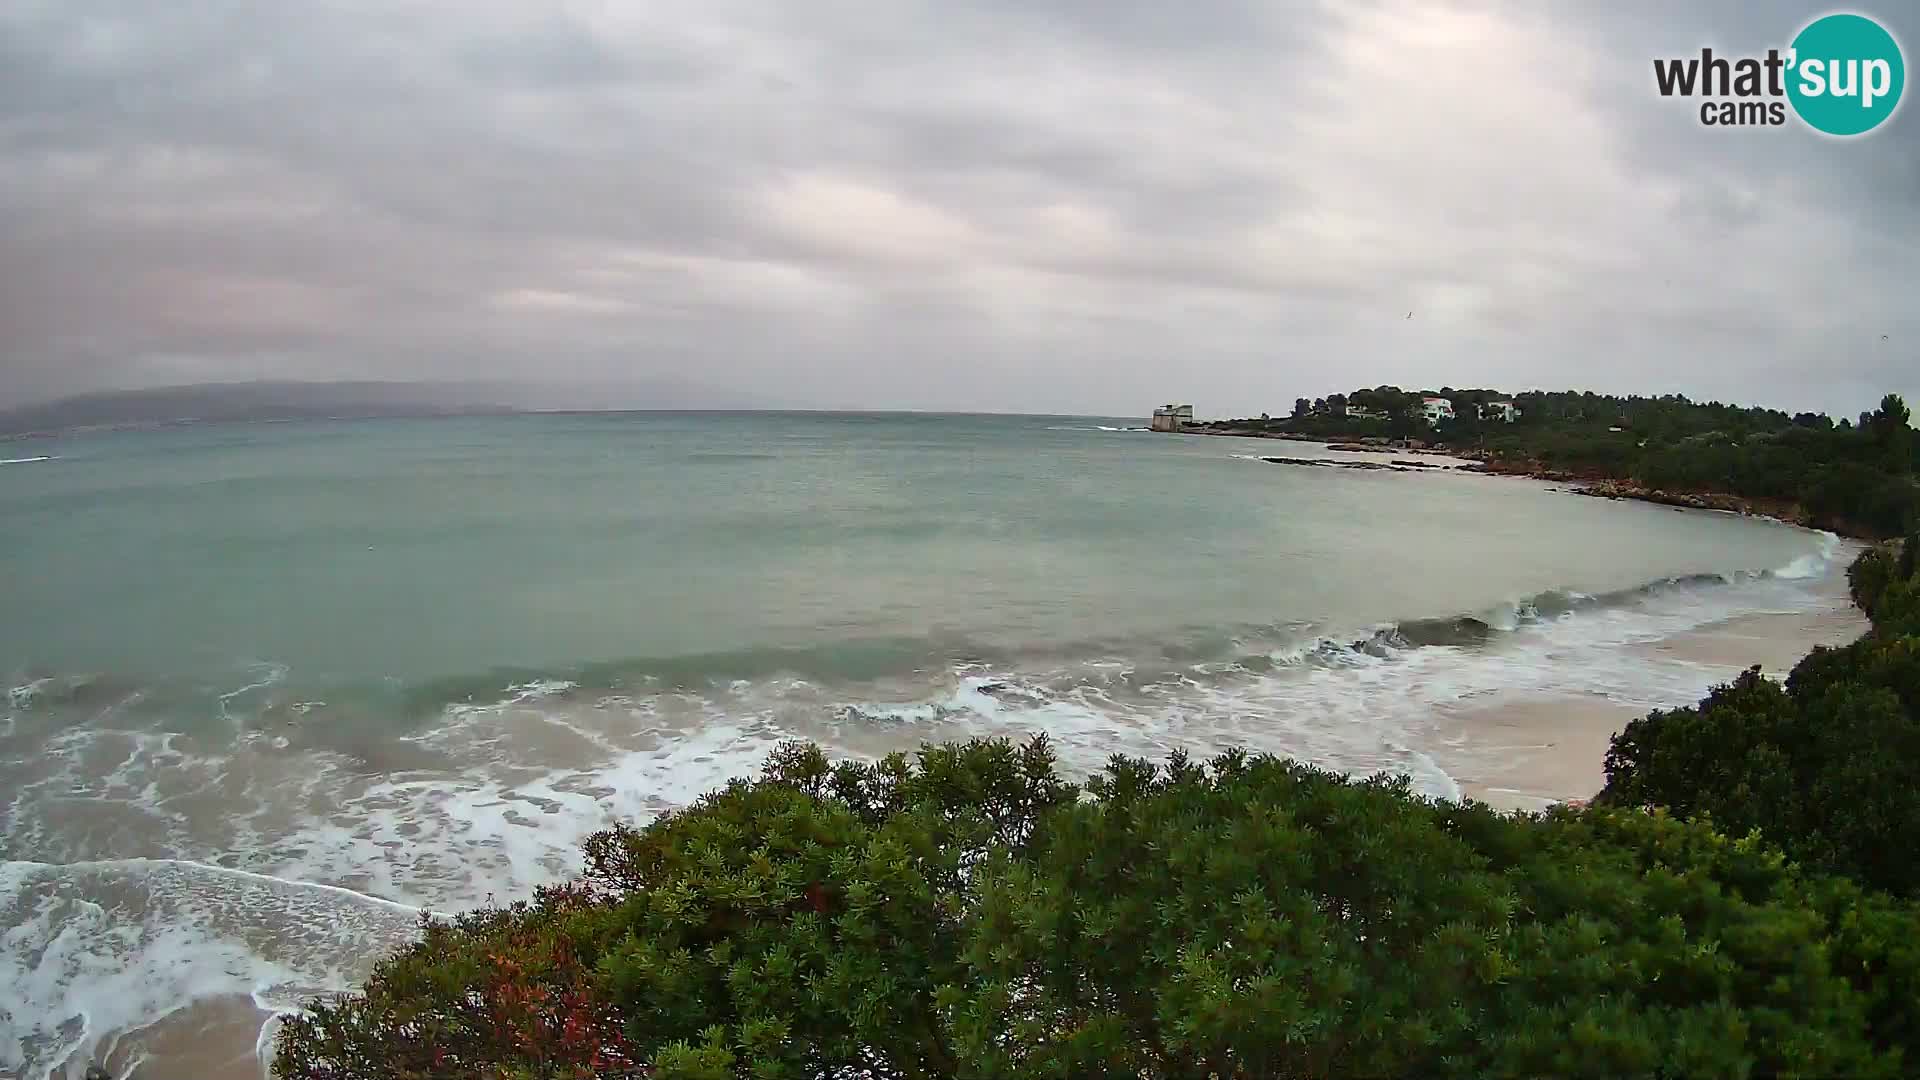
507,823
22,696
1814,563
98,948
1363,709
504,792
267,675
25,460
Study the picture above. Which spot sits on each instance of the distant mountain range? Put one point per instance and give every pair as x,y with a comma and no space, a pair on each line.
260,401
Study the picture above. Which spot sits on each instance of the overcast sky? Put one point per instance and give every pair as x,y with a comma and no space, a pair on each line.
1082,206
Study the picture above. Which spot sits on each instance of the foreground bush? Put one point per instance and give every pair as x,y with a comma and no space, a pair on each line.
1823,766
968,913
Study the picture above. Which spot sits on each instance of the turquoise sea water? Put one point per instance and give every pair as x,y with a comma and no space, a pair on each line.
259,673
726,545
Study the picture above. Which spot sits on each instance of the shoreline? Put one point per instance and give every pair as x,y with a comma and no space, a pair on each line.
1533,751
1519,750
1594,485
1550,749
1524,748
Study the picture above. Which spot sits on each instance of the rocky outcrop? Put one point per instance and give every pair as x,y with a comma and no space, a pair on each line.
1375,466
1697,500
1598,484
1583,481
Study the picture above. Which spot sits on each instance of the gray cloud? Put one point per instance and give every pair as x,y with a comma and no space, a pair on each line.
1072,205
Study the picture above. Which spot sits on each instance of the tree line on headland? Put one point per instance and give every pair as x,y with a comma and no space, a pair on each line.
1852,476
1742,900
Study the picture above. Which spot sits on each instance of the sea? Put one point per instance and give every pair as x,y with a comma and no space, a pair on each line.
273,691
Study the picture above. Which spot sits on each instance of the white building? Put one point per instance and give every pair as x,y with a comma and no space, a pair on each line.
1360,413
1436,409
1172,417
1504,411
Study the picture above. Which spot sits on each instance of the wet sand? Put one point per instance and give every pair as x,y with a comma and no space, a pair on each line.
1775,642
209,1040
1527,753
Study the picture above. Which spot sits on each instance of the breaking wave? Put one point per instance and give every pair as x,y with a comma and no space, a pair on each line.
299,831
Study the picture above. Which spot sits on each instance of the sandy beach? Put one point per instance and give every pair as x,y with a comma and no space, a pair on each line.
1774,642
1514,751
209,1040
1529,752
1517,742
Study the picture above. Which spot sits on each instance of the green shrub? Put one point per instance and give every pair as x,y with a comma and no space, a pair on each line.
1870,574
1821,766
968,913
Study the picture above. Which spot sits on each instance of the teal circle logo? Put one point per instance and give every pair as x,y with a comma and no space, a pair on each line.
1845,74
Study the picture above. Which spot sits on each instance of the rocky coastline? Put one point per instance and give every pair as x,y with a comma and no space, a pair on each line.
1582,482
1613,487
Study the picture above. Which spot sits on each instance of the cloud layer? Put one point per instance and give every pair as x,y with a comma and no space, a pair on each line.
1043,205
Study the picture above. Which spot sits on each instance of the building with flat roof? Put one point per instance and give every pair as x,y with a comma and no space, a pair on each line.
1172,417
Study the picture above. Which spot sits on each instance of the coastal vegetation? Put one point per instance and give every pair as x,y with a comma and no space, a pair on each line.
1852,476
1739,902
1821,766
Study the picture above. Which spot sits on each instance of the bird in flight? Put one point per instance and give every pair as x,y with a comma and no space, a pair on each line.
1410,315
